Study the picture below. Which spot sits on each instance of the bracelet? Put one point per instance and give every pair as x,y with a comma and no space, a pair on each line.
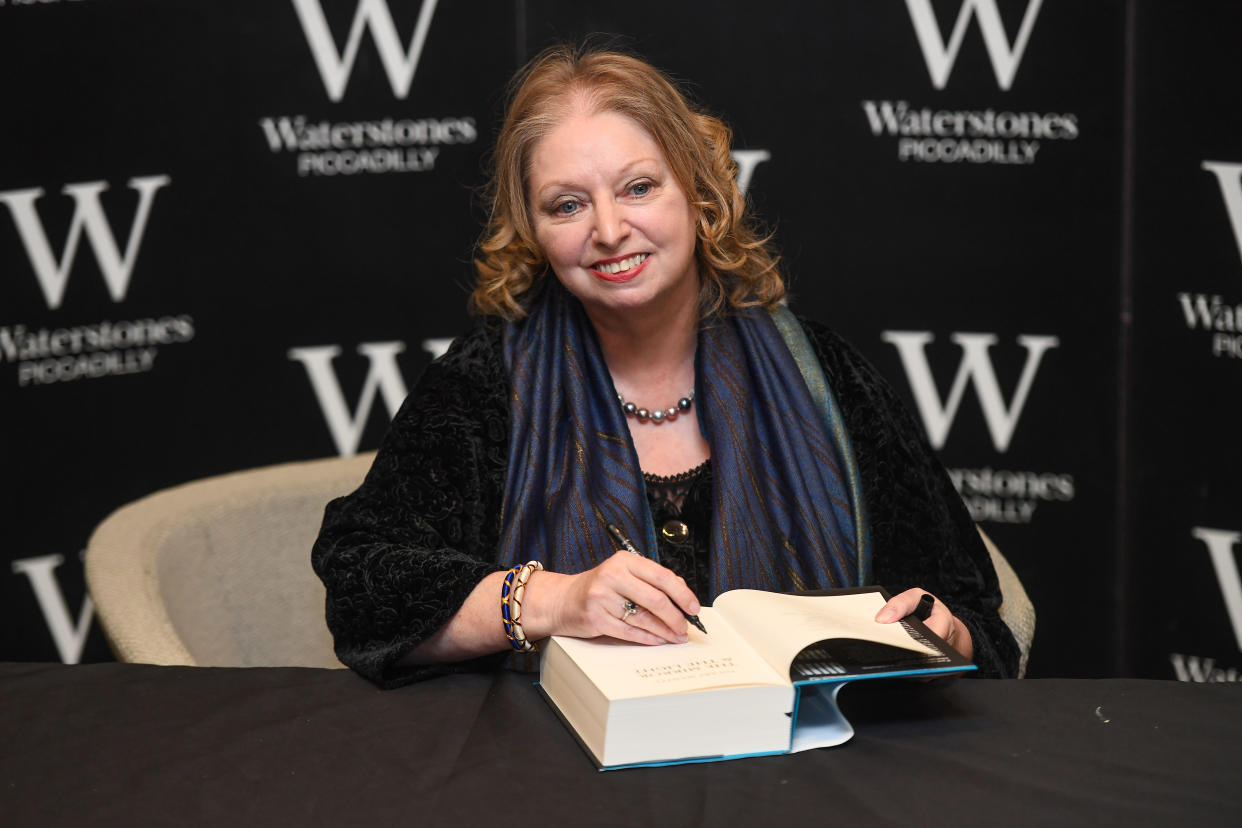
511,593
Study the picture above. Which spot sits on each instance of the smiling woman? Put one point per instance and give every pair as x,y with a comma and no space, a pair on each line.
733,259
634,370
611,218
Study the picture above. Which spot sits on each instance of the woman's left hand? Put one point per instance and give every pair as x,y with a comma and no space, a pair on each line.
941,621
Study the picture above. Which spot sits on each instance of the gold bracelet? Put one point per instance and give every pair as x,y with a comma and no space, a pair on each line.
511,593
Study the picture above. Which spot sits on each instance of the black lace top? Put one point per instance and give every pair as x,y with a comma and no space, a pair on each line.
681,508
400,555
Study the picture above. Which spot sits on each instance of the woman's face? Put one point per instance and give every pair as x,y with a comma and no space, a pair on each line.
610,216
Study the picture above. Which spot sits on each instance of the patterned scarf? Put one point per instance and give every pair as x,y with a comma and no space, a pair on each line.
788,509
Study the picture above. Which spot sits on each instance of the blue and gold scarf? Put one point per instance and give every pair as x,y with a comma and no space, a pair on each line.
788,511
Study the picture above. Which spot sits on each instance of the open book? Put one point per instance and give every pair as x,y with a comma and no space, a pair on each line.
763,680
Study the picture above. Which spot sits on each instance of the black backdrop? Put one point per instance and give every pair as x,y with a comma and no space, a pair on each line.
1018,209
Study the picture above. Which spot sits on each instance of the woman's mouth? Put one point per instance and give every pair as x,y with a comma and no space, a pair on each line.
620,270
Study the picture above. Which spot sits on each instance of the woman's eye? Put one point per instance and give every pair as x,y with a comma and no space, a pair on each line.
641,188
566,208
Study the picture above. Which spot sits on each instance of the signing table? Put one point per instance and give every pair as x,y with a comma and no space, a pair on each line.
124,744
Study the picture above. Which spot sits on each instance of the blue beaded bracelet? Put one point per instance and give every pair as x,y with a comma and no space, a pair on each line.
511,593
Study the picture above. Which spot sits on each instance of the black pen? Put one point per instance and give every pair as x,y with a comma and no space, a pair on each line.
924,609
616,532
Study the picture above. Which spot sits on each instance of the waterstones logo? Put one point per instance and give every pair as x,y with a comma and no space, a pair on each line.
88,216
941,55
335,67
383,379
950,136
323,147
1202,670
975,369
1211,313
1000,496
1220,544
997,496
971,135
45,356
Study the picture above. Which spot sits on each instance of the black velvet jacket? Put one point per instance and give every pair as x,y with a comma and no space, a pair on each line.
400,555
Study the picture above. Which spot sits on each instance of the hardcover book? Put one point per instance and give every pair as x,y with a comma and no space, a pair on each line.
763,680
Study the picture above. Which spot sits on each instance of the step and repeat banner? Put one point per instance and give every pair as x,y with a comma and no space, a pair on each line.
233,236
230,235
1185,606
944,181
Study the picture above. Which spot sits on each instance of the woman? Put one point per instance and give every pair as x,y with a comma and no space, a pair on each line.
634,367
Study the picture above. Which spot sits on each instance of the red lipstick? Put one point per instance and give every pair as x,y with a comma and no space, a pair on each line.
622,276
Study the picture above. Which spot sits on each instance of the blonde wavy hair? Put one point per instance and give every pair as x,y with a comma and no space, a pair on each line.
736,267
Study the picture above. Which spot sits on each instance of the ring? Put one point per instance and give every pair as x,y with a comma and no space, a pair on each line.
630,608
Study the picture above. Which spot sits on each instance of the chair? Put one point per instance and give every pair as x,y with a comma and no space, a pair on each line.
1016,609
217,572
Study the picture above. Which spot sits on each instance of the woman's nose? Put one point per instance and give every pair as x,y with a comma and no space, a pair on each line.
611,226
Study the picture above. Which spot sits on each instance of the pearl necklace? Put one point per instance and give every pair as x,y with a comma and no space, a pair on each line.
658,415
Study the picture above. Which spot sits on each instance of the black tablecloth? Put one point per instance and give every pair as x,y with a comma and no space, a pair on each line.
121,744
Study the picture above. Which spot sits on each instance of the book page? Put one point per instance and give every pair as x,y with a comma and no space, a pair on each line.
779,626
721,658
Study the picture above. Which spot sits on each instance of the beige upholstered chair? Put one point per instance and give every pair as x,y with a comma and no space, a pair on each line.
1016,609
217,572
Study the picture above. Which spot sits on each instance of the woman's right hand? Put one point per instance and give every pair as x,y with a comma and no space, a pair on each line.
593,603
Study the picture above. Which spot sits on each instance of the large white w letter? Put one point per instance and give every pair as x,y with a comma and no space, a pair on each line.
941,57
68,637
335,67
1220,544
88,214
1229,177
383,375
747,160
938,418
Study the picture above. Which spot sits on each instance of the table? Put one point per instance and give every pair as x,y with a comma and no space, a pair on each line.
126,744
